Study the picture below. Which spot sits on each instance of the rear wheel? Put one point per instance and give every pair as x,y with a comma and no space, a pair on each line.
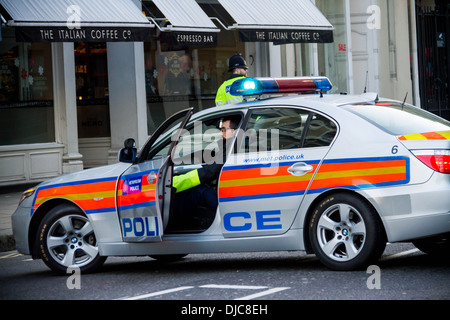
66,239
346,233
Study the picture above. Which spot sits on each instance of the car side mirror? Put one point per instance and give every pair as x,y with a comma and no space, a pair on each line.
129,152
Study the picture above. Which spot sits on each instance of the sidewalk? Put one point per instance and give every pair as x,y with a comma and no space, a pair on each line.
9,199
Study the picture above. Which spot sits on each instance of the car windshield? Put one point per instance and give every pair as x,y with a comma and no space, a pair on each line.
398,119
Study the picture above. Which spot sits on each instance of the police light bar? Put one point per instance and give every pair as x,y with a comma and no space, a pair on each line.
259,86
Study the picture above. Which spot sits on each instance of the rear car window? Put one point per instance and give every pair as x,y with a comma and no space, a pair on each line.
398,119
283,128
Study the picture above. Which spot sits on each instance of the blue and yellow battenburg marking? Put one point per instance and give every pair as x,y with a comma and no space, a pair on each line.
245,182
99,195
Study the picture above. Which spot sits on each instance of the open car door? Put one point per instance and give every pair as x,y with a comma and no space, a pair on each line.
144,190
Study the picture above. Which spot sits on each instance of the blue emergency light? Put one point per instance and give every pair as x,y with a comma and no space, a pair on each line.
259,86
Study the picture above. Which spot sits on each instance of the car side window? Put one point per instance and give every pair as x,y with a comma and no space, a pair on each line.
321,132
275,129
197,144
197,137
200,137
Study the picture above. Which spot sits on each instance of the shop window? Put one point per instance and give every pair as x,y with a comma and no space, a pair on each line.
26,92
91,70
178,77
334,57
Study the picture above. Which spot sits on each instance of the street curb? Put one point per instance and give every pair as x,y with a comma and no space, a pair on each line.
7,243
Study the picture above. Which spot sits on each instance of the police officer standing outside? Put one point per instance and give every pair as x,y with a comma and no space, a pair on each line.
238,69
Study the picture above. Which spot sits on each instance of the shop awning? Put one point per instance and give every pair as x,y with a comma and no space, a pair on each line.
287,21
187,23
76,20
185,15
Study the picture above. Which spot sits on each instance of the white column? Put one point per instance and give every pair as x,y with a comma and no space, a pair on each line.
290,61
64,91
348,29
275,60
414,55
127,97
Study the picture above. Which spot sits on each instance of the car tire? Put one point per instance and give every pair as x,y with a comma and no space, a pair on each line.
346,233
66,239
438,246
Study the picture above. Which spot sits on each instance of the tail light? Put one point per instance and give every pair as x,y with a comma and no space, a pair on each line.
438,160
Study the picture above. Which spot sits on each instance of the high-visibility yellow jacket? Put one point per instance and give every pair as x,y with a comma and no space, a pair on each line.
207,173
223,95
186,181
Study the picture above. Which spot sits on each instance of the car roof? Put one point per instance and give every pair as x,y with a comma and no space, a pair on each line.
314,101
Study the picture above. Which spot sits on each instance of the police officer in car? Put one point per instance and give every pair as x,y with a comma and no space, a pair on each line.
238,69
192,188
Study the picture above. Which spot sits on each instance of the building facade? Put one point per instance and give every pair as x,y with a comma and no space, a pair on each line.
70,97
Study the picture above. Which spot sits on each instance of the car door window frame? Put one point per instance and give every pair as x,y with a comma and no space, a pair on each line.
306,129
189,126
164,126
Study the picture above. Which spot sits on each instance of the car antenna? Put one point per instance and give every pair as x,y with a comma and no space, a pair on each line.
404,100
367,79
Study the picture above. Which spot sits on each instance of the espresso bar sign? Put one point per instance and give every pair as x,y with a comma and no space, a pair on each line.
196,39
287,36
189,39
85,34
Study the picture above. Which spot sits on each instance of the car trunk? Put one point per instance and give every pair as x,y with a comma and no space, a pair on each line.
432,148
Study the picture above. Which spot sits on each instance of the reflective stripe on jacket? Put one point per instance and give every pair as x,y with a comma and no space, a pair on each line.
223,95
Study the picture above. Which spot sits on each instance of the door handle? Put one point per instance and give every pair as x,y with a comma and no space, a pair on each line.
300,169
151,177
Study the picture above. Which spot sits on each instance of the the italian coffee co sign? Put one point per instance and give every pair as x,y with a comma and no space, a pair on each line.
73,31
286,36
88,34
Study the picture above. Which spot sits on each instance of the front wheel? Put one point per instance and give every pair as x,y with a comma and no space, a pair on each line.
66,239
346,233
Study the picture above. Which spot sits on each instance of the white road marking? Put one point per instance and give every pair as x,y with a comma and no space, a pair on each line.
214,286
154,294
226,286
238,287
249,297
263,293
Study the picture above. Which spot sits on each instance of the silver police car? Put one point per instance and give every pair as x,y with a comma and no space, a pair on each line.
334,175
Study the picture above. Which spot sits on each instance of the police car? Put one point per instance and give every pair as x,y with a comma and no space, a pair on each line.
331,174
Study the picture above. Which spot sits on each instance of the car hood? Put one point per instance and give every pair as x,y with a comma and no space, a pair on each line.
110,171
